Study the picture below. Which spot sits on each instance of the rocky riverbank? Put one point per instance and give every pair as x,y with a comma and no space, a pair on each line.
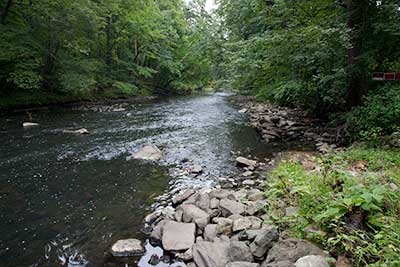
224,227
276,123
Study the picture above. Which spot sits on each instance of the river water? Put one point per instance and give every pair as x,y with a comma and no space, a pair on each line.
62,193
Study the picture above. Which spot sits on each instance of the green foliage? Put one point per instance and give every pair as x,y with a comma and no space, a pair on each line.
351,202
85,48
379,115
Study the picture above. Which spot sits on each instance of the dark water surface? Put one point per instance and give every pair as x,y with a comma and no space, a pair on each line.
62,192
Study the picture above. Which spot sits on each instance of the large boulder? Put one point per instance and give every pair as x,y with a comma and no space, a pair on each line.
263,240
242,264
127,248
312,261
291,250
178,236
230,207
156,234
239,251
192,213
211,254
148,152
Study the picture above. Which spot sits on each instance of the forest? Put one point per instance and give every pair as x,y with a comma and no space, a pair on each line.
311,130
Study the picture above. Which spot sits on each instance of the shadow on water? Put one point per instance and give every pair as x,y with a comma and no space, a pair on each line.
61,193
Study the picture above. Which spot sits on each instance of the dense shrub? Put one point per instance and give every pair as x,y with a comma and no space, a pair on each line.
380,115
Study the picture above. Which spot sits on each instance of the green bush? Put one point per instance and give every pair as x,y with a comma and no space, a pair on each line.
351,202
380,115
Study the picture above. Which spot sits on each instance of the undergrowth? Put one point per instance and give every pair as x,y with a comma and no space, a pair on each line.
349,203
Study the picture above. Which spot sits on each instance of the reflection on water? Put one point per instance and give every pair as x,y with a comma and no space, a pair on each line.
63,193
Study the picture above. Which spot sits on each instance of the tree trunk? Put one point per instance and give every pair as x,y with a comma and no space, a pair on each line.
5,11
108,45
357,78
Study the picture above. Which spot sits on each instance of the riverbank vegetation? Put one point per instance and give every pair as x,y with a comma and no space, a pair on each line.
63,50
347,202
318,55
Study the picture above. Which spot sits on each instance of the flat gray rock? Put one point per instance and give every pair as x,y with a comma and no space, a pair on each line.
242,161
210,232
127,248
178,236
230,207
211,254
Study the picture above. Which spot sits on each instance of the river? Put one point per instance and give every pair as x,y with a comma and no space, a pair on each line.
63,192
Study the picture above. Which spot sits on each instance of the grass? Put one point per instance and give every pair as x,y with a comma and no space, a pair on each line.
349,203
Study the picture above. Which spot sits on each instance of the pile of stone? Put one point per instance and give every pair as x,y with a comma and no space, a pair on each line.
284,124
219,227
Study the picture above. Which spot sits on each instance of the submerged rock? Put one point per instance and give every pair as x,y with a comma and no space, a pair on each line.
148,152
127,248
79,131
196,169
178,236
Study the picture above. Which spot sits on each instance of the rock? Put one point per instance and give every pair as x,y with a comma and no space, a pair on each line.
248,182
29,124
242,224
255,196
224,225
178,199
242,264
185,256
312,261
214,203
229,207
256,222
220,193
203,202
239,251
291,250
179,215
168,213
247,173
127,248
278,264
343,261
152,217
263,240
291,211
244,162
208,254
119,109
79,131
210,232
196,169
178,236
243,110
156,234
191,213
148,152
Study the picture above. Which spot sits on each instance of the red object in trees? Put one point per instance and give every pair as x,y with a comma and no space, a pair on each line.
390,76
379,76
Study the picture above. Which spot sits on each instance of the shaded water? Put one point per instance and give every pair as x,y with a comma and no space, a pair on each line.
61,192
